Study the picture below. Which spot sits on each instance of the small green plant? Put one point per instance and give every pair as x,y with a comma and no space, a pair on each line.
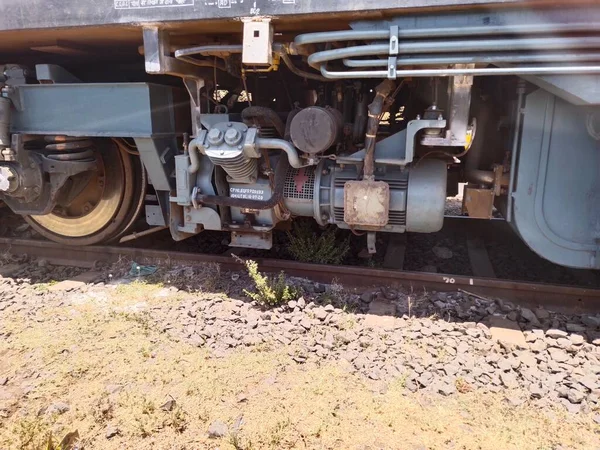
272,291
306,245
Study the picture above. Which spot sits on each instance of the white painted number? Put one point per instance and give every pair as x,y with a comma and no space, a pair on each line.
449,280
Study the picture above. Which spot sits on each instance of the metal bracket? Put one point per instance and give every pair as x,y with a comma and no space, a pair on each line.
413,127
393,51
371,242
458,117
159,62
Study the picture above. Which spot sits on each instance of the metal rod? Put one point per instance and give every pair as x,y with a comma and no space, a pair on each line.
480,58
403,33
553,70
515,148
133,236
209,50
460,46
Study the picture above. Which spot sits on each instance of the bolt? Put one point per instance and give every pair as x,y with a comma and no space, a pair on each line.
240,147
214,136
188,218
188,209
440,117
233,137
418,116
221,152
229,124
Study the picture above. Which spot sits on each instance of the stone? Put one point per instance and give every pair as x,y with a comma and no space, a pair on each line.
446,389
217,429
111,431
425,379
504,365
513,316
381,314
301,303
366,297
113,388
515,400
509,380
538,346
597,419
442,252
575,328
563,343
306,323
58,408
590,382
529,316
319,288
169,405
576,339
542,314
572,408
575,396
556,333
320,313
536,390
292,304
558,355
591,321
506,331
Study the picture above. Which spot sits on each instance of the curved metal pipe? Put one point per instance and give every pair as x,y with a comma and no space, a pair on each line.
194,154
491,71
209,50
480,58
527,29
301,73
317,59
280,144
477,176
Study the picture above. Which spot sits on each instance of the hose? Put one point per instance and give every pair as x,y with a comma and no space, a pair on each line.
376,108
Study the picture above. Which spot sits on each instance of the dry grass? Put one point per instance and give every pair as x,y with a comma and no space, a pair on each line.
78,350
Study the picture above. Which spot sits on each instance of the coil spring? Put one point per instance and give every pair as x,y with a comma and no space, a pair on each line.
69,148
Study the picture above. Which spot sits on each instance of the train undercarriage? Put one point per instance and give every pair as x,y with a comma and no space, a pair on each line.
242,118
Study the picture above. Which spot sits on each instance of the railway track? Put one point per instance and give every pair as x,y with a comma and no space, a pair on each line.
557,296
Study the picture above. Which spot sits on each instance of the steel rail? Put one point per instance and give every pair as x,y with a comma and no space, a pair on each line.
539,293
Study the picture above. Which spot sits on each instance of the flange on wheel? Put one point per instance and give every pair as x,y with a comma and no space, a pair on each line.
105,207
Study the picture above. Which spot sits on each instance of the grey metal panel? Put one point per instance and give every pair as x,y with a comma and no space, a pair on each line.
158,156
576,89
103,109
556,207
31,14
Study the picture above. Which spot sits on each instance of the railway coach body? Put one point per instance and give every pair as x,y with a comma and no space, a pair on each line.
241,116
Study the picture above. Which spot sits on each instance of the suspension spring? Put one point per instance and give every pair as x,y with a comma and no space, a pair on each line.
69,148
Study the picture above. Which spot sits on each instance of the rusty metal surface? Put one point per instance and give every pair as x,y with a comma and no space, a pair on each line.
366,203
571,297
478,203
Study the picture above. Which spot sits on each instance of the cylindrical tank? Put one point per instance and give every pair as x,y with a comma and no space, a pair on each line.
315,129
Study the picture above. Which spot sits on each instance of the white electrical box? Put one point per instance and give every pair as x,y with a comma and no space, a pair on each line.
258,42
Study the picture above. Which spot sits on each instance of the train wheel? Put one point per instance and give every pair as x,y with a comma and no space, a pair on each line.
103,207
